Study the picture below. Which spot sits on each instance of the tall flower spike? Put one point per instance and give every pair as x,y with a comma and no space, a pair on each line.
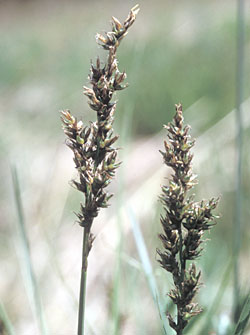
95,157
183,223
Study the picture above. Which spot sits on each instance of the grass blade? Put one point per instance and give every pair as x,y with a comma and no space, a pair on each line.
239,147
30,280
218,297
244,317
147,267
6,321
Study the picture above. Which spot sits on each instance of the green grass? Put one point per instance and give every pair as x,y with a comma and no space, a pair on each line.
6,324
25,260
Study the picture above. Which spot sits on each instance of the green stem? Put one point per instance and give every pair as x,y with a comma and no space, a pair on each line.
182,262
182,268
85,252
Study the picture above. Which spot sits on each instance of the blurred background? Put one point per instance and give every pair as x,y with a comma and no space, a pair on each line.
183,51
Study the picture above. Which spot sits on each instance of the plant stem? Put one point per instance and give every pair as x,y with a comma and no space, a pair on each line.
182,264
85,252
179,320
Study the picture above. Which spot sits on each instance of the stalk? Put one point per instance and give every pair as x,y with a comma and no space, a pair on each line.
182,269
94,155
83,282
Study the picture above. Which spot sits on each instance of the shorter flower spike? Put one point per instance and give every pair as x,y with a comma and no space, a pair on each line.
183,223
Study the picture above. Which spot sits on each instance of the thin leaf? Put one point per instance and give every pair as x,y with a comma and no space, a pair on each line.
218,297
6,321
29,278
244,317
147,267
239,88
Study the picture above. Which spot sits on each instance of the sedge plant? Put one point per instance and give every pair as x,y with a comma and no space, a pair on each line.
184,222
95,157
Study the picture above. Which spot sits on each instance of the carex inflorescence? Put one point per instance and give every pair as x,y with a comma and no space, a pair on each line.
94,155
184,222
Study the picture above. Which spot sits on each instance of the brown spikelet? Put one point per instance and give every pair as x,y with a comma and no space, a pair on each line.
183,223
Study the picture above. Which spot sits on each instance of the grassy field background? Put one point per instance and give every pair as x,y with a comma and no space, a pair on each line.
175,52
